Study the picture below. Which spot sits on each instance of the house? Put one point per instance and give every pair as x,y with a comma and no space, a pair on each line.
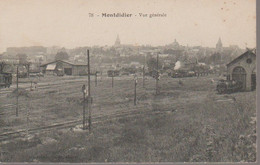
10,59
50,69
135,64
64,67
243,69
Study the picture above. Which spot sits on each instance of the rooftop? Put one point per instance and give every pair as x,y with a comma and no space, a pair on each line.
67,62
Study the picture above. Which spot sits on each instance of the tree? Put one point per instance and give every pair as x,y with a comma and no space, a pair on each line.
2,65
22,58
152,64
40,60
215,58
62,56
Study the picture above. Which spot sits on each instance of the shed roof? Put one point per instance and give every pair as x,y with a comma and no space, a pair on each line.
77,64
51,67
248,52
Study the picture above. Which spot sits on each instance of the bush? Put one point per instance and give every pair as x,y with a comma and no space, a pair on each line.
131,135
20,92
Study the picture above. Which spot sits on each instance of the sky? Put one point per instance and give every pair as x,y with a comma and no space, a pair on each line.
66,23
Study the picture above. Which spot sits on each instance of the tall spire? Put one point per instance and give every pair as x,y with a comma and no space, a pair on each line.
219,41
117,43
175,43
219,45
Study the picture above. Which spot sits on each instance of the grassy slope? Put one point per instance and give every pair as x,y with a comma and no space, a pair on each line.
194,127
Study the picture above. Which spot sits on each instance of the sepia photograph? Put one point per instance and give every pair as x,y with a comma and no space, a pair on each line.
128,81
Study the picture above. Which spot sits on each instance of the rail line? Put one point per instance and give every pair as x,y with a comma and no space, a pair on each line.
45,85
118,111
101,96
41,86
96,119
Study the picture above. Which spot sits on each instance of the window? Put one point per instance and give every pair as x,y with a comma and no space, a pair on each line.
228,77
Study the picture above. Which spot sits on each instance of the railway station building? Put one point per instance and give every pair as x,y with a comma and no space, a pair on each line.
60,67
243,69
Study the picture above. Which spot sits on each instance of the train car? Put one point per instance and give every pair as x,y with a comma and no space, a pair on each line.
22,74
229,86
183,73
5,80
154,74
113,73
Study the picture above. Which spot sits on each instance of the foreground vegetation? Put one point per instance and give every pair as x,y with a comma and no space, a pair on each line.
194,124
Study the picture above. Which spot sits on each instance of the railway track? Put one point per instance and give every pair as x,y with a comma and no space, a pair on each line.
96,119
40,86
45,85
119,111
7,109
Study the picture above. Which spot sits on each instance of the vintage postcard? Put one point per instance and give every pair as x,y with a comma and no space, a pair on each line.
117,81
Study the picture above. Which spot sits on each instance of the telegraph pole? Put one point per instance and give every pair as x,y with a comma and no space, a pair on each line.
17,101
27,117
96,79
89,95
31,85
157,71
101,76
84,107
144,71
135,80
143,76
113,79
28,70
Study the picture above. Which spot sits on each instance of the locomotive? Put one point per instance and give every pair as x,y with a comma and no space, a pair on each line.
5,80
229,86
5,77
113,73
183,73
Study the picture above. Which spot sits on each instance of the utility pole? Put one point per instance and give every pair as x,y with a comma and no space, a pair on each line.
135,80
96,79
17,101
144,71
101,76
143,76
157,71
28,70
113,79
84,107
27,117
31,86
89,95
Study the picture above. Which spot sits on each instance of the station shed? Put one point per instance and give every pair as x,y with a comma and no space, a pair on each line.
243,69
60,67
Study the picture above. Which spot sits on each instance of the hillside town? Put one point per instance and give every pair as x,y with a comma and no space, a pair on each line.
127,58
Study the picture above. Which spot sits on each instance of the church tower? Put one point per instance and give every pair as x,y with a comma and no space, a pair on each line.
117,43
219,46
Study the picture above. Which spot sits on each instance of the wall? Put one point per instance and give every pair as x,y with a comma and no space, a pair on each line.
248,67
77,69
